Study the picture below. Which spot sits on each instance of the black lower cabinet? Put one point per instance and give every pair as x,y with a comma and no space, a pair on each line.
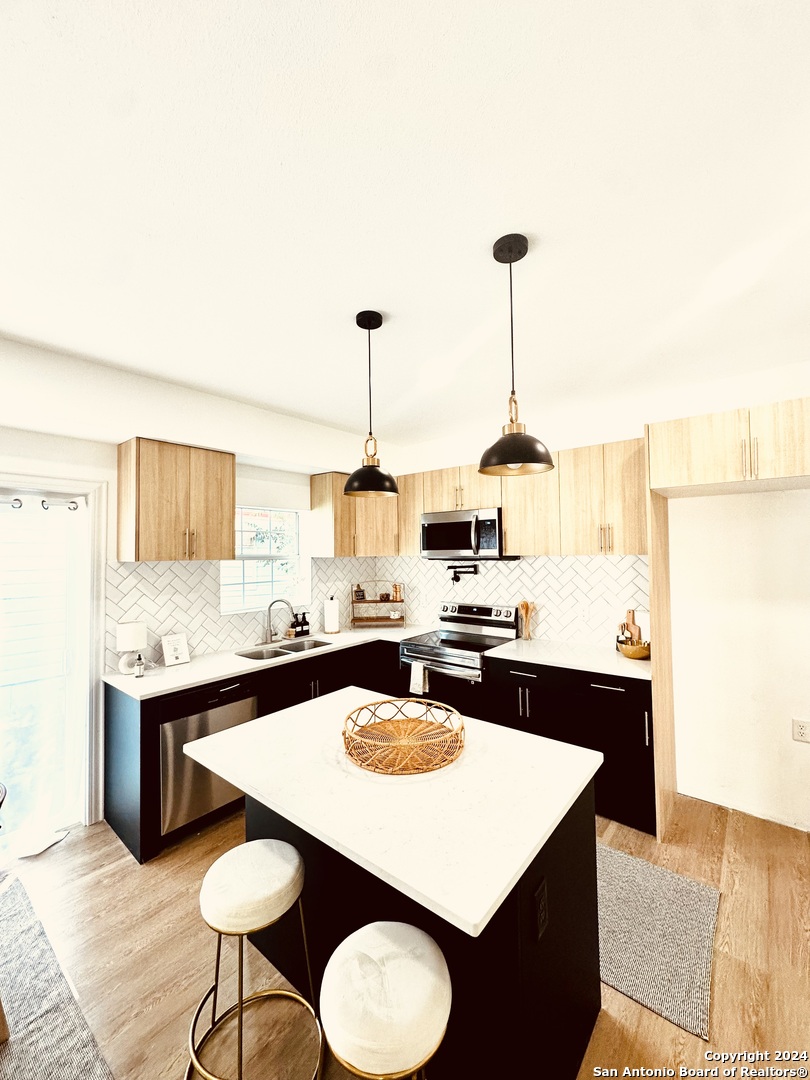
135,783
606,713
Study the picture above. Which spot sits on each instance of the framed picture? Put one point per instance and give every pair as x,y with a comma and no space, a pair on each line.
359,594
175,649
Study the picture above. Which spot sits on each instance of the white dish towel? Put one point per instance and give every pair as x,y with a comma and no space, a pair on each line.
419,678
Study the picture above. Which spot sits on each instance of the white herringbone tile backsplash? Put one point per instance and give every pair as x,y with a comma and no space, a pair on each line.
577,598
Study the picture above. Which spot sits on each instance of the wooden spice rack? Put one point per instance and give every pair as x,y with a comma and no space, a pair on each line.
367,612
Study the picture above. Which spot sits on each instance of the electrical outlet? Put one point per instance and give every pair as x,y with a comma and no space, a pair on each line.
801,730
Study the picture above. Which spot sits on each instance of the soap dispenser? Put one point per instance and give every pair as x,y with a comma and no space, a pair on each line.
296,625
304,625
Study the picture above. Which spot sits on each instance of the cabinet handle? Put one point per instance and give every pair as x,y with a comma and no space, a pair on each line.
523,674
520,701
186,537
233,686
755,465
609,538
461,498
601,546
194,543
528,711
744,461
646,729
601,686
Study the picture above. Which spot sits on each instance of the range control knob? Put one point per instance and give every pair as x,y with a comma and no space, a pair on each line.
444,607
496,612
507,613
453,609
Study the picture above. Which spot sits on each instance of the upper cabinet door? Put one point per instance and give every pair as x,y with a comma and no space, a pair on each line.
211,504
441,490
625,497
478,490
332,522
780,446
376,525
410,507
531,513
162,487
697,450
582,504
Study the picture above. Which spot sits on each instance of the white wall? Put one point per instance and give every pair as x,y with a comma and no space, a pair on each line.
740,575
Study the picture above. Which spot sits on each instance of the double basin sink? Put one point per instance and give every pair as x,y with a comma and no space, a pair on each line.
270,652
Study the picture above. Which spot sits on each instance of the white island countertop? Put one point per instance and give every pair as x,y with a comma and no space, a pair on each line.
455,840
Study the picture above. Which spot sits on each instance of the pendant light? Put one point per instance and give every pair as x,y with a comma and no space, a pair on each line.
370,481
515,453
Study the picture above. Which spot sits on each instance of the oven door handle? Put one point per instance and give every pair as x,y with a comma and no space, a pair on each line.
470,674
474,534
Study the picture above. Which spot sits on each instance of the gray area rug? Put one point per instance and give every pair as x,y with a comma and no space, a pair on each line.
49,1035
656,934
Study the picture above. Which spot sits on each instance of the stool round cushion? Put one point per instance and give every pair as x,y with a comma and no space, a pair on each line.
251,886
385,998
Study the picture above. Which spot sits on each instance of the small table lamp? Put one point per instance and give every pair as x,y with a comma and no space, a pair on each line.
130,639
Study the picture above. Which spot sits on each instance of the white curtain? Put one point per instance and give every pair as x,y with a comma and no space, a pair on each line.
45,619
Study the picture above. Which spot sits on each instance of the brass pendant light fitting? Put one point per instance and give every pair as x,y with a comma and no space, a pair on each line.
370,481
515,453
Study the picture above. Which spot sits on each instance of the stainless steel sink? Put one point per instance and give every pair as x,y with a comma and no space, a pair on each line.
264,652
303,646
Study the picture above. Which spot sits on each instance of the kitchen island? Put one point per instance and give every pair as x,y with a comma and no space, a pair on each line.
493,855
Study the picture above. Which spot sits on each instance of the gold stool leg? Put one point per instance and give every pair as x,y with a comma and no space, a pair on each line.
306,955
240,1000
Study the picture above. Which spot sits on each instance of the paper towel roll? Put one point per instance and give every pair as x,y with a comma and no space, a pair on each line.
331,615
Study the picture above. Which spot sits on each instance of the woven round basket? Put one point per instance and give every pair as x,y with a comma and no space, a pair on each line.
403,735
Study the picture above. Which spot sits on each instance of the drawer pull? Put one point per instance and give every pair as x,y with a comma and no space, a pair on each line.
601,686
523,674
233,686
646,729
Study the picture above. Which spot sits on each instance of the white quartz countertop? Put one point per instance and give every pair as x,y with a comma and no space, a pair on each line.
211,667
604,659
455,840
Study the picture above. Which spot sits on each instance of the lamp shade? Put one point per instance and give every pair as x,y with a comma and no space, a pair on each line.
130,637
516,454
370,481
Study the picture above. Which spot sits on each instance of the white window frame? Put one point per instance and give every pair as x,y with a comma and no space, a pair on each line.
301,594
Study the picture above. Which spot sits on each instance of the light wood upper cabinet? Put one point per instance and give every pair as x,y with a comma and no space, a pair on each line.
767,442
460,488
332,522
531,513
342,526
376,525
175,502
780,439
410,507
603,499
696,450
626,497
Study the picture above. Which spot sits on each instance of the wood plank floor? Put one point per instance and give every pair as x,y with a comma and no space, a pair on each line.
132,942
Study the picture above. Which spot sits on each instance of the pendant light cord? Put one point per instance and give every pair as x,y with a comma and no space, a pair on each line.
511,330
370,435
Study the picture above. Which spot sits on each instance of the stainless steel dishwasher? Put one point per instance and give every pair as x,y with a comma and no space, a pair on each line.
187,789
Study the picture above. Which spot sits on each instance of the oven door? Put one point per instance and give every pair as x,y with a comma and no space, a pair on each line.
463,689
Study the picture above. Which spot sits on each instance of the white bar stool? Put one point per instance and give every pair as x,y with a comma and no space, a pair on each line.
247,889
385,1001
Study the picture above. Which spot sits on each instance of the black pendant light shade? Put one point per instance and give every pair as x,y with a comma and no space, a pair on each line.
370,481
515,453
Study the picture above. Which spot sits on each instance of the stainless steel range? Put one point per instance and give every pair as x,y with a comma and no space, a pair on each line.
465,633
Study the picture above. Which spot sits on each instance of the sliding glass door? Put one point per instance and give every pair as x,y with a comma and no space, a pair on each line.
45,619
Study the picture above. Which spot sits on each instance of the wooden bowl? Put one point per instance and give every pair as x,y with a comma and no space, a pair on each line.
636,650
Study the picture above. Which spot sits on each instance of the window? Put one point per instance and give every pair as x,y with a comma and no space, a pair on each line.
268,562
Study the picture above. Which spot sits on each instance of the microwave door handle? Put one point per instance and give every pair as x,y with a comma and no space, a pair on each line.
474,534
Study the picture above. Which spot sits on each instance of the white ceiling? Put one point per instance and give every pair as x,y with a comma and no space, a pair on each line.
207,191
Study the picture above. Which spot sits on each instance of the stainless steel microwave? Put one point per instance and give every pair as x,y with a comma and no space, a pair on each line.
462,534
